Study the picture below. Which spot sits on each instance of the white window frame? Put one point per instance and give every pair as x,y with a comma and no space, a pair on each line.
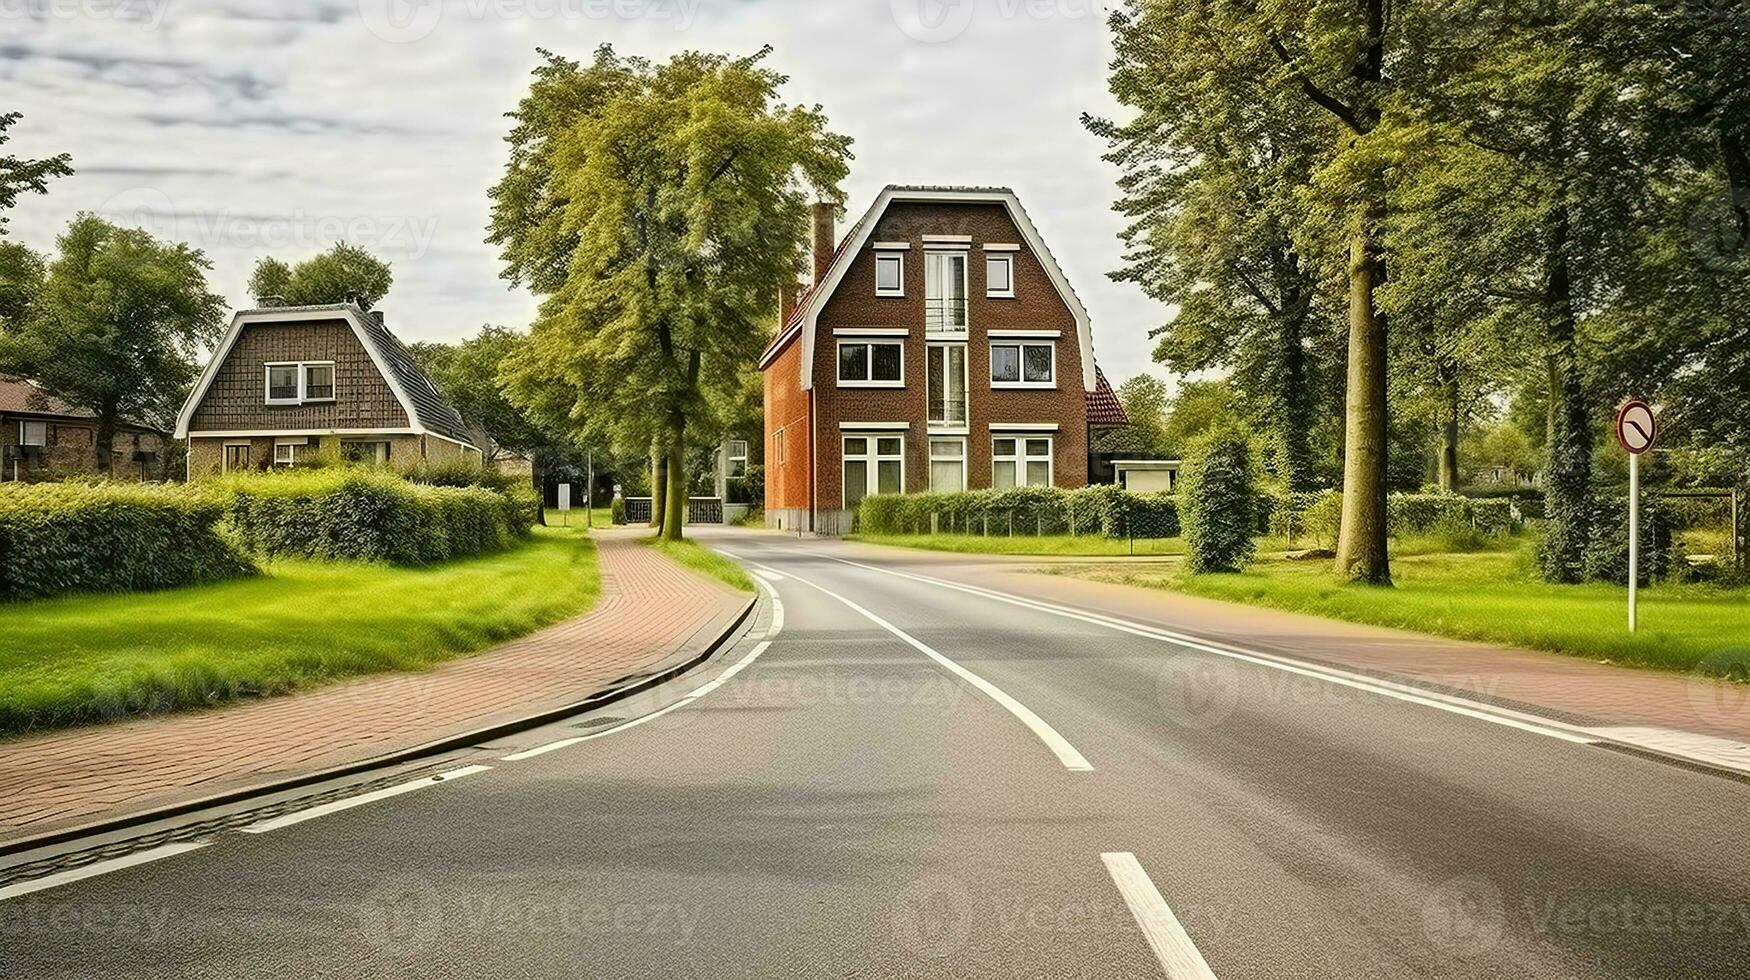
736,452
1007,261
303,371
24,432
872,457
898,259
940,351
288,458
380,454
931,257
1021,352
965,463
1020,458
225,456
869,364
782,453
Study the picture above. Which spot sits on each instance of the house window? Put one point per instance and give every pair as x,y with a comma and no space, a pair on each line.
1023,365
286,453
33,433
947,384
365,452
783,457
737,458
947,465
890,274
871,365
318,382
873,465
236,457
282,384
1020,462
298,383
945,292
999,276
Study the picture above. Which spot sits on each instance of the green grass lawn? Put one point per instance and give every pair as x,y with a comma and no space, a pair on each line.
102,657
702,559
1494,597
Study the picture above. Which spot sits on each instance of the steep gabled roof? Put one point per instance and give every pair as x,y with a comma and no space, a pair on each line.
22,396
427,409
806,317
1104,408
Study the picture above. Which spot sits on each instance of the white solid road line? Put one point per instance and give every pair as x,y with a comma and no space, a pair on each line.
1173,947
685,700
99,868
1374,685
1065,752
337,806
688,698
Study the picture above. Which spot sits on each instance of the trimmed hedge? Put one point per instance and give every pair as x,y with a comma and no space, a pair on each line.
1317,515
362,514
1220,504
1098,510
57,538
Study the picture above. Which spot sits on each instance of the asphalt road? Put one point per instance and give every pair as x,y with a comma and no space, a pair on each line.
912,780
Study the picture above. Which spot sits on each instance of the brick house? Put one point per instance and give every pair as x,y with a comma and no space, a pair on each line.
290,381
940,348
45,438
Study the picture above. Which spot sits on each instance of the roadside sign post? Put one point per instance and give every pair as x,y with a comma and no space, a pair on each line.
1637,429
565,503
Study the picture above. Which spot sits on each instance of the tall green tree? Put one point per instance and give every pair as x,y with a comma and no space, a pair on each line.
1146,401
20,176
473,374
656,208
343,274
21,281
115,329
1212,164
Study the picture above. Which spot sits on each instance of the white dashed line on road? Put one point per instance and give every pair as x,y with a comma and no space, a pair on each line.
1172,945
337,806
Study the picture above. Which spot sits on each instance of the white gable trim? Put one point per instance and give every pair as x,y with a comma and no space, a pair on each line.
865,229
242,320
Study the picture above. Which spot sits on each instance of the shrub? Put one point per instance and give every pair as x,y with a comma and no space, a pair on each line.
1283,513
1102,510
456,471
1606,554
749,488
617,510
110,537
371,515
1218,500
1324,519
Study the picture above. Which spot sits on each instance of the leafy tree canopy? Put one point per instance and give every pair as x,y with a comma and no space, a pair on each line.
20,176
343,274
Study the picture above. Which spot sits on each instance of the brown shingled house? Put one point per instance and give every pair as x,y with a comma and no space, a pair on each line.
940,348
286,382
44,438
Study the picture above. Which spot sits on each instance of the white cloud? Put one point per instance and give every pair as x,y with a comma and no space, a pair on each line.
249,127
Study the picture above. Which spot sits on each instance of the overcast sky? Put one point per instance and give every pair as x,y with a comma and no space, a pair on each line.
249,127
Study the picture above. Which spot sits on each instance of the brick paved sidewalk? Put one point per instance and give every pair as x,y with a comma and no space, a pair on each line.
650,610
1692,715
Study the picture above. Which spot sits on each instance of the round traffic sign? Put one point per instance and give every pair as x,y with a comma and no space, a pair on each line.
1636,428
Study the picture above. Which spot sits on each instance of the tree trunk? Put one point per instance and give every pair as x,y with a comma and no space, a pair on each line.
1568,483
658,483
1297,401
106,443
538,475
675,519
1361,546
1449,426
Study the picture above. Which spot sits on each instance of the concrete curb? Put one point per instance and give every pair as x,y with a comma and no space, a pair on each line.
617,690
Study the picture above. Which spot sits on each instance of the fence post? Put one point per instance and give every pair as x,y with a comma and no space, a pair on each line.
986,522
934,527
1011,523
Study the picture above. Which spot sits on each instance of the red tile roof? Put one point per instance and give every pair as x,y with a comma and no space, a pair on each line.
1103,405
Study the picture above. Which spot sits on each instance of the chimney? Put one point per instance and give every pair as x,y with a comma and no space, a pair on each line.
787,296
825,239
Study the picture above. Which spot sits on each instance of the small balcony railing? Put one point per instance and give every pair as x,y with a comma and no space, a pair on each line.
945,315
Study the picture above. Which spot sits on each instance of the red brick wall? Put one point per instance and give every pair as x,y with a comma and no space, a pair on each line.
1036,306
787,473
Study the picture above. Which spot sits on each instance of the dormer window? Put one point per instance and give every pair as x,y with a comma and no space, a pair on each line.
300,383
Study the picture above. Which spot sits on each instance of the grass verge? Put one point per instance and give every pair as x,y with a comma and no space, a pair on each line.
702,559
1494,598
99,658
1060,544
